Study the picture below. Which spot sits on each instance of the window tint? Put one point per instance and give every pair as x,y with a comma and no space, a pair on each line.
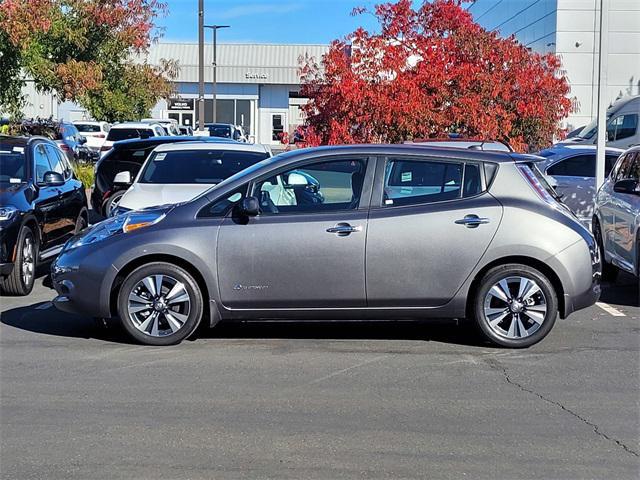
41,162
116,134
624,126
320,187
223,131
579,166
409,182
85,127
197,166
12,163
55,160
472,180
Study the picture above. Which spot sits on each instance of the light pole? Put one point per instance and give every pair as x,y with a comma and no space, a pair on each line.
200,106
215,29
603,58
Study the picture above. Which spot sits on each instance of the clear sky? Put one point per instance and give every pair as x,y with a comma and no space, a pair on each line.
266,21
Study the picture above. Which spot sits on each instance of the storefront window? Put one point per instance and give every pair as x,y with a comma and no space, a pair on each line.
236,112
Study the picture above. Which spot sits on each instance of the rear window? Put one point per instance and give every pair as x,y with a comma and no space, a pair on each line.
116,134
197,166
87,128
223,131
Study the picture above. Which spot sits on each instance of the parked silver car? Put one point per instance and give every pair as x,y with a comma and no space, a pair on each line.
573,170
367,232
616,220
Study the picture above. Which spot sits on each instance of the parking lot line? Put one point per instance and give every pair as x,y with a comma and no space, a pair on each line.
610,310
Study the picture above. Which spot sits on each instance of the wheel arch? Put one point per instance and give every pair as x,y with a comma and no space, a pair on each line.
545,269
160,257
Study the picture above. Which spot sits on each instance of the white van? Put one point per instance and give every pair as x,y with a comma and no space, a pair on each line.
623,118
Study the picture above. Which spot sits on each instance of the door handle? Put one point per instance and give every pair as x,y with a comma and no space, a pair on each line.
344,229
472,221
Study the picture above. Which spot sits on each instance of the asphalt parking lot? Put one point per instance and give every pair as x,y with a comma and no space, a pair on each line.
374,400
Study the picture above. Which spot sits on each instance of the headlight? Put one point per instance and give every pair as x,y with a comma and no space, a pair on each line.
117,225
7,213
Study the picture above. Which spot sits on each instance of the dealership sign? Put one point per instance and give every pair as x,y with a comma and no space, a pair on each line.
255,76
181,104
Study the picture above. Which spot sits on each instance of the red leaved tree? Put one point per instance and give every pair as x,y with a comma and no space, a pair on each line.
429,72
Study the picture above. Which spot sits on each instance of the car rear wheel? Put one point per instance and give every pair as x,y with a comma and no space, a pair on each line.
20,281
609,271
160,304
515,306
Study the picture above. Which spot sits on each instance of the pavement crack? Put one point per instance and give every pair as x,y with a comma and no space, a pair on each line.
494,365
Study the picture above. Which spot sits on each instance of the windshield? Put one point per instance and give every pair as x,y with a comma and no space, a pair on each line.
13,164
116,134
84,127
591,129
197,166
223,131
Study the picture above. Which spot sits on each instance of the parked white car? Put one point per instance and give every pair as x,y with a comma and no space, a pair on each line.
128,130
178,172
170,125
94,132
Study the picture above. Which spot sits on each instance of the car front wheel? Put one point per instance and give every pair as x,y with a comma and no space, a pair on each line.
160,304
515,306
20,281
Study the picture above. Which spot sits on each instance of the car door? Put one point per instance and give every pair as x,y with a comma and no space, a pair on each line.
430,222
47,201
70,196
627,208
306,248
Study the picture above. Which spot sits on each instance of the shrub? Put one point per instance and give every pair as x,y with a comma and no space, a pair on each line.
84,173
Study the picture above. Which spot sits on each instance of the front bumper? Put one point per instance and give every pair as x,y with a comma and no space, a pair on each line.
82,279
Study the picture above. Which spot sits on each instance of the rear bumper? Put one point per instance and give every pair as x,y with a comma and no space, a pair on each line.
582,286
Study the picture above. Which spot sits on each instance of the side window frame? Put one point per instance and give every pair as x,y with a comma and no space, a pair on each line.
378,191
35,165
365,194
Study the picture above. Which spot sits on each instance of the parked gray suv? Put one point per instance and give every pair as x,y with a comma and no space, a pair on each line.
347,233
616,220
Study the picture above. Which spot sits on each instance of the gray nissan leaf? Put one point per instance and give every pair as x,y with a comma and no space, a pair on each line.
384,232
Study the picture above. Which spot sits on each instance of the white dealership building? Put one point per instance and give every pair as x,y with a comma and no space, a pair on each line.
570,29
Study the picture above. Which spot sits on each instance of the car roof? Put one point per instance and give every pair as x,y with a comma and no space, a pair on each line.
134,125
409,149
570,149
199,145
133,143
22,140
88,122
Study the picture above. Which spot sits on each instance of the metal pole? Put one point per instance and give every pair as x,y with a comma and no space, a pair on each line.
201,65
215,80
603,54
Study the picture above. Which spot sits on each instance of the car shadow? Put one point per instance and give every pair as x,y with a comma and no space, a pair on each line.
44,319
625,291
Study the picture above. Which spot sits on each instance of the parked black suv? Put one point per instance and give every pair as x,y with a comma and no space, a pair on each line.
42,205
127,156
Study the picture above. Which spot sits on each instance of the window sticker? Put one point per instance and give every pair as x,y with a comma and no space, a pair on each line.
406,177
388,202
18,149
160,157
15,180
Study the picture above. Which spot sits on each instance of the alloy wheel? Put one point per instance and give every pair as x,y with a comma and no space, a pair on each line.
28,260
515,307
159,305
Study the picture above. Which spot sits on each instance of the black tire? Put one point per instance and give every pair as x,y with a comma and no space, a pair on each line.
547,294
81,223
170,272
113,202
15,284
609,271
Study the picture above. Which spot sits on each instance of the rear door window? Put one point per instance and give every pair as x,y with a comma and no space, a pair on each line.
116,134
410,182
41,161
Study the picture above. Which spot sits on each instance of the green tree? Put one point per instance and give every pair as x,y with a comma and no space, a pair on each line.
85,51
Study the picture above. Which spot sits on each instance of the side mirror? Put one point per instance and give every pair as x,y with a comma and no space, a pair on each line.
122,178
53,179
629,186
249,206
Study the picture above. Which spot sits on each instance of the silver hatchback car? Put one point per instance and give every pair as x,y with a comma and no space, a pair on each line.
383,232
616,220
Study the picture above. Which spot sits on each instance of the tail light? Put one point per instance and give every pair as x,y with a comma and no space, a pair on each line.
65,147
537,184
100,135
105,148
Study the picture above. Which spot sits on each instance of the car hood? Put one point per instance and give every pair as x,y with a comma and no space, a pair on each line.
142,195
13,194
